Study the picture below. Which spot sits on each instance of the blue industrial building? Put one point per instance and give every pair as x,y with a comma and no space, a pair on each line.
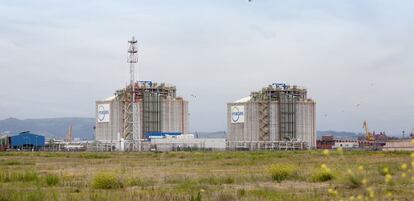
27,140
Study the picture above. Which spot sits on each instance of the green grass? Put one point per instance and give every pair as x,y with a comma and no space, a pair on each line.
260,175
52,180
24,176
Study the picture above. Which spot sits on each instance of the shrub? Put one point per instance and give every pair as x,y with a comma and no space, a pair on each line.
52,180
106,180
228,180
241,192
281,172
354,181
322,176
384,170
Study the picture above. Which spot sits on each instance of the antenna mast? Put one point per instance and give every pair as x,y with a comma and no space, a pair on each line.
132,59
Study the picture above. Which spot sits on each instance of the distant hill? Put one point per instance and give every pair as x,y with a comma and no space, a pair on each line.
336,134
52,127
83,128
217,134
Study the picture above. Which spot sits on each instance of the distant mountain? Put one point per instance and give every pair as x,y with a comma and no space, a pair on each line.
52,127
83,128
336,134
217,134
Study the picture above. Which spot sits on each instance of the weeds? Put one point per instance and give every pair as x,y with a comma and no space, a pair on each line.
136,181
196,198
52,180
281,172
94,155
321,176
213,175
106,180
26,176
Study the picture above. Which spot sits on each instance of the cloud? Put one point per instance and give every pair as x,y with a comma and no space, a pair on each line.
62,56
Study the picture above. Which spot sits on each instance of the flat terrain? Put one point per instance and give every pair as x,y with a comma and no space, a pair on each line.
301,175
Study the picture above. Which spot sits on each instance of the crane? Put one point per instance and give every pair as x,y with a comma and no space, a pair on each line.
368,135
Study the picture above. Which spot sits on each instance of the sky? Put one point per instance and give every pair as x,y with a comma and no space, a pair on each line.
355,57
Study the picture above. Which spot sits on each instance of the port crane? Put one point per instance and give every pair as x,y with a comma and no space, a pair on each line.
368,135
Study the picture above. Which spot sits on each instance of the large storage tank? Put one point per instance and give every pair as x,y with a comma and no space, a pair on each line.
277,117
157,110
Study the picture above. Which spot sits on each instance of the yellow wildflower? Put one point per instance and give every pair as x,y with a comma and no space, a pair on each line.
403,175
326,152
371,193
332,192
364,181
388,178
323,166
404,166
360,168
388,194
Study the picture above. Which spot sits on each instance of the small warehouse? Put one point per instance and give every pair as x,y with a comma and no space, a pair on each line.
27,141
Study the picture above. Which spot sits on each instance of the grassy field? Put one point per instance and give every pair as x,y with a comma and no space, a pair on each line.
301,175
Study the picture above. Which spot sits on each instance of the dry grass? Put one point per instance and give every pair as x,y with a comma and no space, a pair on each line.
196,175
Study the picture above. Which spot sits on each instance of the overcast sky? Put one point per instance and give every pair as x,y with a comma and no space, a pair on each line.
58,57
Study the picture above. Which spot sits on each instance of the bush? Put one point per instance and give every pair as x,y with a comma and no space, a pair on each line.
322,176
52,180
281,172
241,192
228,180
106,180
354,181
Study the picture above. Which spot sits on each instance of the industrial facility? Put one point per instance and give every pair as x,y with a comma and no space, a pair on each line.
140,110
278,117
24,141
157,111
